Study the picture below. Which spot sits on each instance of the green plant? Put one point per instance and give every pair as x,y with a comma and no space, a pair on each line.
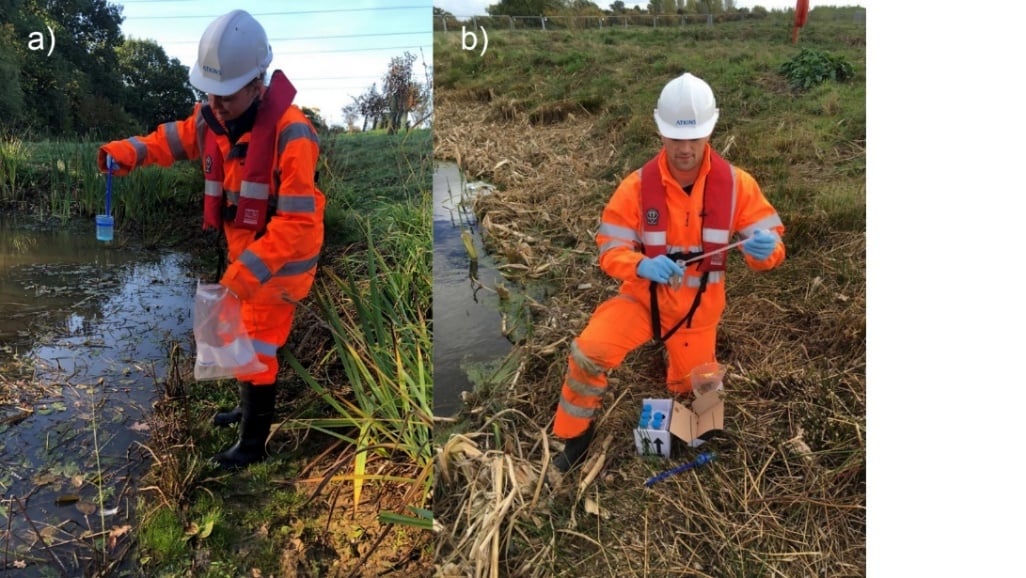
811,67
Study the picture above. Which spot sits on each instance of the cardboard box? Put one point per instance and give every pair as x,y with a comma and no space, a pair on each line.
701,422
692,426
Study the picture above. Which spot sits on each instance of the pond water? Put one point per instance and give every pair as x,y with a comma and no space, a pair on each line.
466,319
85,332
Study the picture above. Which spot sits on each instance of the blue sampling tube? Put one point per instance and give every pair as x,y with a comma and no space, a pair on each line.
105,222
110,184
701,460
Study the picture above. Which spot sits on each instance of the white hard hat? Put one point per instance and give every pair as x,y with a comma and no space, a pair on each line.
686,108
232,52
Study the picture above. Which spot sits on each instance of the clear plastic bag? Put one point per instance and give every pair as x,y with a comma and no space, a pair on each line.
223,348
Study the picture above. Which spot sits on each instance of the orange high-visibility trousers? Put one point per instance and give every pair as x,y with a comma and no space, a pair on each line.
618,326
268,327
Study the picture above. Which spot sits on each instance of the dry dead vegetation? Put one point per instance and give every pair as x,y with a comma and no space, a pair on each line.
786,496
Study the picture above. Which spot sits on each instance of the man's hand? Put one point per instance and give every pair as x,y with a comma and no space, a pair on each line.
761,245
101,161
659,269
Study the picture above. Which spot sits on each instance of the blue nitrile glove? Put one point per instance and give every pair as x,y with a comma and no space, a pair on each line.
659,269
760,245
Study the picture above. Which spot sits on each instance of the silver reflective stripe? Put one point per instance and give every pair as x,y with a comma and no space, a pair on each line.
294,131
721,236
263,273
614,244
694,281
574,410
251,190
296,203
764,223
653,238
174,141
232,196
298,267
212,188
265,348
583,362
584,388
619,232
140,150
255,266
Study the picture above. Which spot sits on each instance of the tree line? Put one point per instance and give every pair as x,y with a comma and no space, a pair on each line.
96,83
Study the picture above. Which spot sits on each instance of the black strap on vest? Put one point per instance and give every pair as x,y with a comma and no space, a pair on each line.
654,300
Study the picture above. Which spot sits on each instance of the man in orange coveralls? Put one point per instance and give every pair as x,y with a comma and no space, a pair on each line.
685,202
259,155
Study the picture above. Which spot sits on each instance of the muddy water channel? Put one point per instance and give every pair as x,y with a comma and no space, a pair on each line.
85,333
466,315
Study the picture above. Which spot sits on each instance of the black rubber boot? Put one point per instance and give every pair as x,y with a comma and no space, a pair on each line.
257,414
574,450
227,418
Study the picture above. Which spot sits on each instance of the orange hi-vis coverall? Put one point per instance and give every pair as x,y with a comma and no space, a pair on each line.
272,269
624,322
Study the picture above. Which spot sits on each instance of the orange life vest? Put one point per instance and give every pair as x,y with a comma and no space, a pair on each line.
256,189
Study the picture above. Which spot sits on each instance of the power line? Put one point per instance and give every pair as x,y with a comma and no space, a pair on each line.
290,13
350,50
273,40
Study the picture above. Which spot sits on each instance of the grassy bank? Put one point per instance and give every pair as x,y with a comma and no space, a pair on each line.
347,489
556,119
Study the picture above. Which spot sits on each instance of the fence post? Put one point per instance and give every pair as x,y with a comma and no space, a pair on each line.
543,22
654,21
511,23
475,22
708,19
444,28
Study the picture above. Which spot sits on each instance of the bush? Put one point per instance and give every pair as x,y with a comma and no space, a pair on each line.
812,67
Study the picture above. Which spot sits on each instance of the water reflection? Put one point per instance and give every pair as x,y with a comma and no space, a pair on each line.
84,335
466,321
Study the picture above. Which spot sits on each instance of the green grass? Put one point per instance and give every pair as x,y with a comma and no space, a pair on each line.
367,173
58,179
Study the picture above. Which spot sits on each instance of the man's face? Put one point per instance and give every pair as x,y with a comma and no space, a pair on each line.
684,155
232,106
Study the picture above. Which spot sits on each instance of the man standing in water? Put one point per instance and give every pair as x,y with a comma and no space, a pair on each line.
259,155
685,203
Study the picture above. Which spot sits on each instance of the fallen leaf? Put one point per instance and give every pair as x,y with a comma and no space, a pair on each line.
112,537
592,507
139,426
191,530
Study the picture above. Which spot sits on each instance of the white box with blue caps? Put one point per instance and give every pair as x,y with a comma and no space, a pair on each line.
662,417
652,436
